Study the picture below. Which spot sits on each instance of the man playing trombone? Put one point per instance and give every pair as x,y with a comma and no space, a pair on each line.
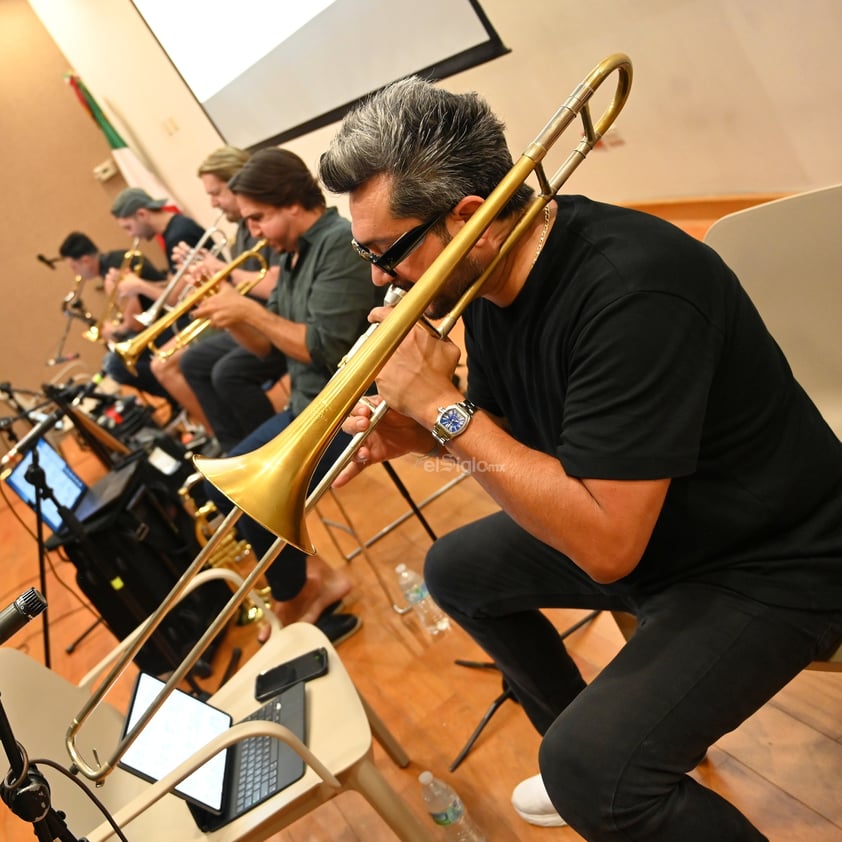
647,443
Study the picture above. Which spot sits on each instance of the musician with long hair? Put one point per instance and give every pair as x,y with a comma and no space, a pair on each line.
316,311
216,356
649,448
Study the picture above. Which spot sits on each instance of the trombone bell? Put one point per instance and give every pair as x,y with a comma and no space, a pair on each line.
251,482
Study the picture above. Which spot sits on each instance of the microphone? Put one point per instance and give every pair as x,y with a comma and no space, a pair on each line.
31,438
48,261
89,388
15,616
66,358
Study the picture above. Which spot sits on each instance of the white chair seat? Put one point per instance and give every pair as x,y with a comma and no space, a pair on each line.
40,706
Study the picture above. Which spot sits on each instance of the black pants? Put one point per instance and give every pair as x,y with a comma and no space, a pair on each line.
143,379
288,573
616,753
229,383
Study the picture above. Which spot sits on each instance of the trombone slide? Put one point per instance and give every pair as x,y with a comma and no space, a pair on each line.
270,484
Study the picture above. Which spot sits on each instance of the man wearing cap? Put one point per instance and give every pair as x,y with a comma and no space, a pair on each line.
139,215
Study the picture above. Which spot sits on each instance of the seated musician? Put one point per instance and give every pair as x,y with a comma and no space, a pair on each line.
216,357
649,448
314,315
141,216
87,262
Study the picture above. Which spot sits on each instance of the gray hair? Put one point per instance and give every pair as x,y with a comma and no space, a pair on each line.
436,146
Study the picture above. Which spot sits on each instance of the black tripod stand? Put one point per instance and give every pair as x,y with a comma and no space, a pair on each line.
27,792
506,694
34,475
24,789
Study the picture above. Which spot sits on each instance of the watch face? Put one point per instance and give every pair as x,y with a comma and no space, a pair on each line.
453,419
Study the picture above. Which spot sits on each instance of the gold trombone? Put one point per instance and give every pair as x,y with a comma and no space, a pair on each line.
132,263
281,470
130,349
153,312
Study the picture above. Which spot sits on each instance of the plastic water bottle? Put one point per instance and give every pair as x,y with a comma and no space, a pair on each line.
447,810
415,593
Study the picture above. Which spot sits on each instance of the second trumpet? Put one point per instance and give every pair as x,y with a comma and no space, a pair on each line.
130,350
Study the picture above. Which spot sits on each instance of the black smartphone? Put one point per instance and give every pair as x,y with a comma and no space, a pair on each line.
302,668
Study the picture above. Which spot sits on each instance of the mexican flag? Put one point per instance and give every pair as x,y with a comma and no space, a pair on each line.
133,170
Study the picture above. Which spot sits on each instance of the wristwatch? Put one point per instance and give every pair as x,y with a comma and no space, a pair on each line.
452,421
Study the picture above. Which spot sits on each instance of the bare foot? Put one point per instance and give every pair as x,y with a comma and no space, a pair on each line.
324,586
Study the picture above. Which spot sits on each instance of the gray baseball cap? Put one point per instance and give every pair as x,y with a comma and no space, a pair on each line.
132,199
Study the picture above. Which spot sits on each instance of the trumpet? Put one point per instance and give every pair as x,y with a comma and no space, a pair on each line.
130,350
228,552
72,305
153,312
132,263
281,470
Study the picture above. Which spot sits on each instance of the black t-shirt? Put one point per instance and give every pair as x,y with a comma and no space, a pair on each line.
179,229
632,352
114,260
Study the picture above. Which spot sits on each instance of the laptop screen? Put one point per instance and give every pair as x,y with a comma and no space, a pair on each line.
59,477
180,727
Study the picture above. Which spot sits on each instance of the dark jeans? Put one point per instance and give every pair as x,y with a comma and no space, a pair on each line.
229,383
144,380
288,572
616,753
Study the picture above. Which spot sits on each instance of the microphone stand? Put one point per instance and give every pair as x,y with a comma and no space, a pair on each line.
36,477
27,793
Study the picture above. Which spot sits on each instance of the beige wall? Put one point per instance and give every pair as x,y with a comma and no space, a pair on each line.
729,96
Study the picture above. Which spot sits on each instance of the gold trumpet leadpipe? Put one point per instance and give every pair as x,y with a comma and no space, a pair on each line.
153,312
199,326
130,350
270,483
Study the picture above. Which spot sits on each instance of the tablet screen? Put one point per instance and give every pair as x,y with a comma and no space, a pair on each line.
180,727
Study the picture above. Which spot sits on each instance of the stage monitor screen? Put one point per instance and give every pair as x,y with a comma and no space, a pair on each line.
266,71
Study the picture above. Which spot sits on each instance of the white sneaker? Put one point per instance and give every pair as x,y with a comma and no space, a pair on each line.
533,805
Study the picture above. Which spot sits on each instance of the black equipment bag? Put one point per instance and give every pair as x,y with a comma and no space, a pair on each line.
130,559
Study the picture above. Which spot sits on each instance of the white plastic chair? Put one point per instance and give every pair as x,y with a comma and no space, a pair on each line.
788,255
41,704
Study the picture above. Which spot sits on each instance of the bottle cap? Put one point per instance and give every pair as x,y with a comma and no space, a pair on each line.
400,568
425,777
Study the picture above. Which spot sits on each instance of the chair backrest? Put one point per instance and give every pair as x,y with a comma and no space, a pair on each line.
788,255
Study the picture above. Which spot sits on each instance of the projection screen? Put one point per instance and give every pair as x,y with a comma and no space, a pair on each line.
266,71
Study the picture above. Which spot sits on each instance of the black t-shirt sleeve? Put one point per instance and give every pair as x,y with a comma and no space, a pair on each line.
638,385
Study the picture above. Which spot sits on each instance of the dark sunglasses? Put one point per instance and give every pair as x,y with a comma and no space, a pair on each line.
399,250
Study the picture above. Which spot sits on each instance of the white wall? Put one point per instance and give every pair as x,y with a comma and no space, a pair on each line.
729,96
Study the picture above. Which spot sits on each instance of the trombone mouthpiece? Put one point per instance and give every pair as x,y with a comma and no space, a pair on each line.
393,295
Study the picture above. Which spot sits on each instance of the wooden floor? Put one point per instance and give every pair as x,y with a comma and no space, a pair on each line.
783,767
